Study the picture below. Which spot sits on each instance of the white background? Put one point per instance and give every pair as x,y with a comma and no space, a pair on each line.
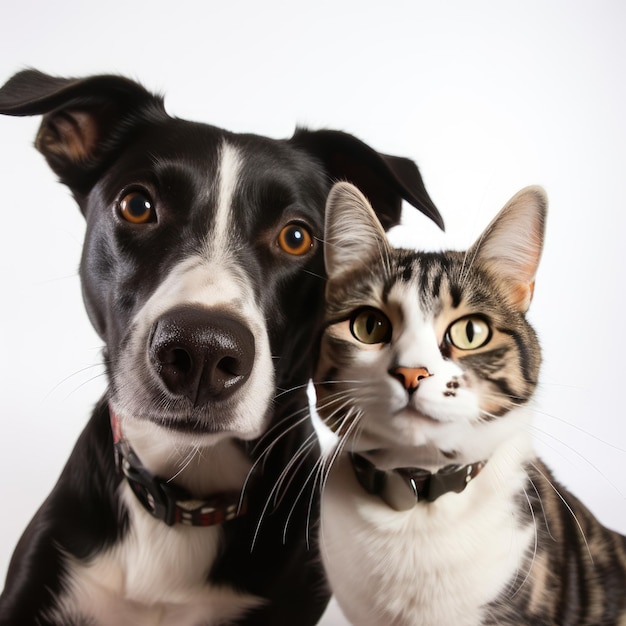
486,96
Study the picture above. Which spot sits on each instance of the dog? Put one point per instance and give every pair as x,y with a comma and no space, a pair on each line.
202,273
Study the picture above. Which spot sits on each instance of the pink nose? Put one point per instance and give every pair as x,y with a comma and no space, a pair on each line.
410,377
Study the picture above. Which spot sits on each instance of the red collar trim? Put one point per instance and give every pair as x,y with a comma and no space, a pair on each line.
166,501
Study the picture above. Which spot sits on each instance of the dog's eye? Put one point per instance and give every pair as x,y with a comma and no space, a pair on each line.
469,333
370,326
136,208
295,239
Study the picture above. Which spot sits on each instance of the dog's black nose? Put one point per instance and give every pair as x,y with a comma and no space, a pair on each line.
201,354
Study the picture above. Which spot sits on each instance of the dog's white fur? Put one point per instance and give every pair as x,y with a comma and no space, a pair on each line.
157,574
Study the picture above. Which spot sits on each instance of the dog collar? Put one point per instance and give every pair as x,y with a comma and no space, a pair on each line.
167,502
402,488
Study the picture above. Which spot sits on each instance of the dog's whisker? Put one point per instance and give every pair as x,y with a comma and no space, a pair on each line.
76,373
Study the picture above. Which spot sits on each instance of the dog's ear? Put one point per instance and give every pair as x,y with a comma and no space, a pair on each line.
385,180
83,118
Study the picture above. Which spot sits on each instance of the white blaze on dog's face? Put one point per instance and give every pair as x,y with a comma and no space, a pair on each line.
209,280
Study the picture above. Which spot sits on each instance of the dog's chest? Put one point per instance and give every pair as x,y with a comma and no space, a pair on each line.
157,575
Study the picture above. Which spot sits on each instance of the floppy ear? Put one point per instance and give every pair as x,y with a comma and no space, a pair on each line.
385,180
510,247
353,234
83,118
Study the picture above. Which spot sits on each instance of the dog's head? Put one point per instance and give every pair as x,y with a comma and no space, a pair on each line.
202,266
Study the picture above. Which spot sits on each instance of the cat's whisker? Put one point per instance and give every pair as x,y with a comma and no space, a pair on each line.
264,454
353,419
290,471
329,460
304,452
299,457
185,462
544,513
317,481
318,473
543,433
269,435
282,392
581,430
310,273
568,507
535,546
535,430
339,412
326,461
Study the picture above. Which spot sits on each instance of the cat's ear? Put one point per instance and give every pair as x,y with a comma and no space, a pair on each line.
511,245
353,233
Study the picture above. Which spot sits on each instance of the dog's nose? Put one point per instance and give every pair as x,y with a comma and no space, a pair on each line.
201,354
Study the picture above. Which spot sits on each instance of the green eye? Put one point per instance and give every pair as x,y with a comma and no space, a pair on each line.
370,326
469,333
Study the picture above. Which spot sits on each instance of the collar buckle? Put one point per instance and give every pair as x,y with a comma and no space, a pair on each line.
404,487
157,496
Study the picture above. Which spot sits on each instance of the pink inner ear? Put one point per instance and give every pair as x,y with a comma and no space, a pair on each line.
72,134
522,295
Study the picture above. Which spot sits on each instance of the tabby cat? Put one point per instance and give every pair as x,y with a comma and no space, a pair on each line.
436,511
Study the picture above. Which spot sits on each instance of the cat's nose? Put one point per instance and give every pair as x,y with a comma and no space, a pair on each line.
410,377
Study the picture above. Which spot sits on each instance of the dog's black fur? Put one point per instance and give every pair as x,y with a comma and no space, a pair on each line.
103,134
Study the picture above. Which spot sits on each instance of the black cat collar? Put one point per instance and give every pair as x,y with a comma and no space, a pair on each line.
402,488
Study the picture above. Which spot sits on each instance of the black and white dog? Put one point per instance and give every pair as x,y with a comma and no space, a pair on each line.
202,273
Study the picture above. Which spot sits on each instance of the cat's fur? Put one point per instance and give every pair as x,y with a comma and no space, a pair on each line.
514,547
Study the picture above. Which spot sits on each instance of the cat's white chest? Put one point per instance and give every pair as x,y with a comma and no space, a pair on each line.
434,565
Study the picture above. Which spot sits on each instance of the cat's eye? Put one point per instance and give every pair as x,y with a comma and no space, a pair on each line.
469,333
370,326
136,207
295,239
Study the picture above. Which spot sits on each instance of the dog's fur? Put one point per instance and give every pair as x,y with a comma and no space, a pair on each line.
204,270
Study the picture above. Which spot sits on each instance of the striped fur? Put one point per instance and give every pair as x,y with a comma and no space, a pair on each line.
515,547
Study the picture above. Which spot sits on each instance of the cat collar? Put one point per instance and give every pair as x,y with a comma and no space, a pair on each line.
402,488
167,502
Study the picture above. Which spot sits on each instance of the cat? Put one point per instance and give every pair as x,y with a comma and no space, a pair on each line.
435,509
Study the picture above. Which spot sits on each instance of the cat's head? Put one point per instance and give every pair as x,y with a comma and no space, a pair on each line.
428,354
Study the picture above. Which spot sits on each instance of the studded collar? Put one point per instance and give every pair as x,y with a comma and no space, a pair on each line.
168,502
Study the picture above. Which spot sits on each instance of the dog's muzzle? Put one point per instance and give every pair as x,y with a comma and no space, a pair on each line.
203,355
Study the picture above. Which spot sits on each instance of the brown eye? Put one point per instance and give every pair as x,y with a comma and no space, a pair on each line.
371,326
136,208
295,239
469,333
